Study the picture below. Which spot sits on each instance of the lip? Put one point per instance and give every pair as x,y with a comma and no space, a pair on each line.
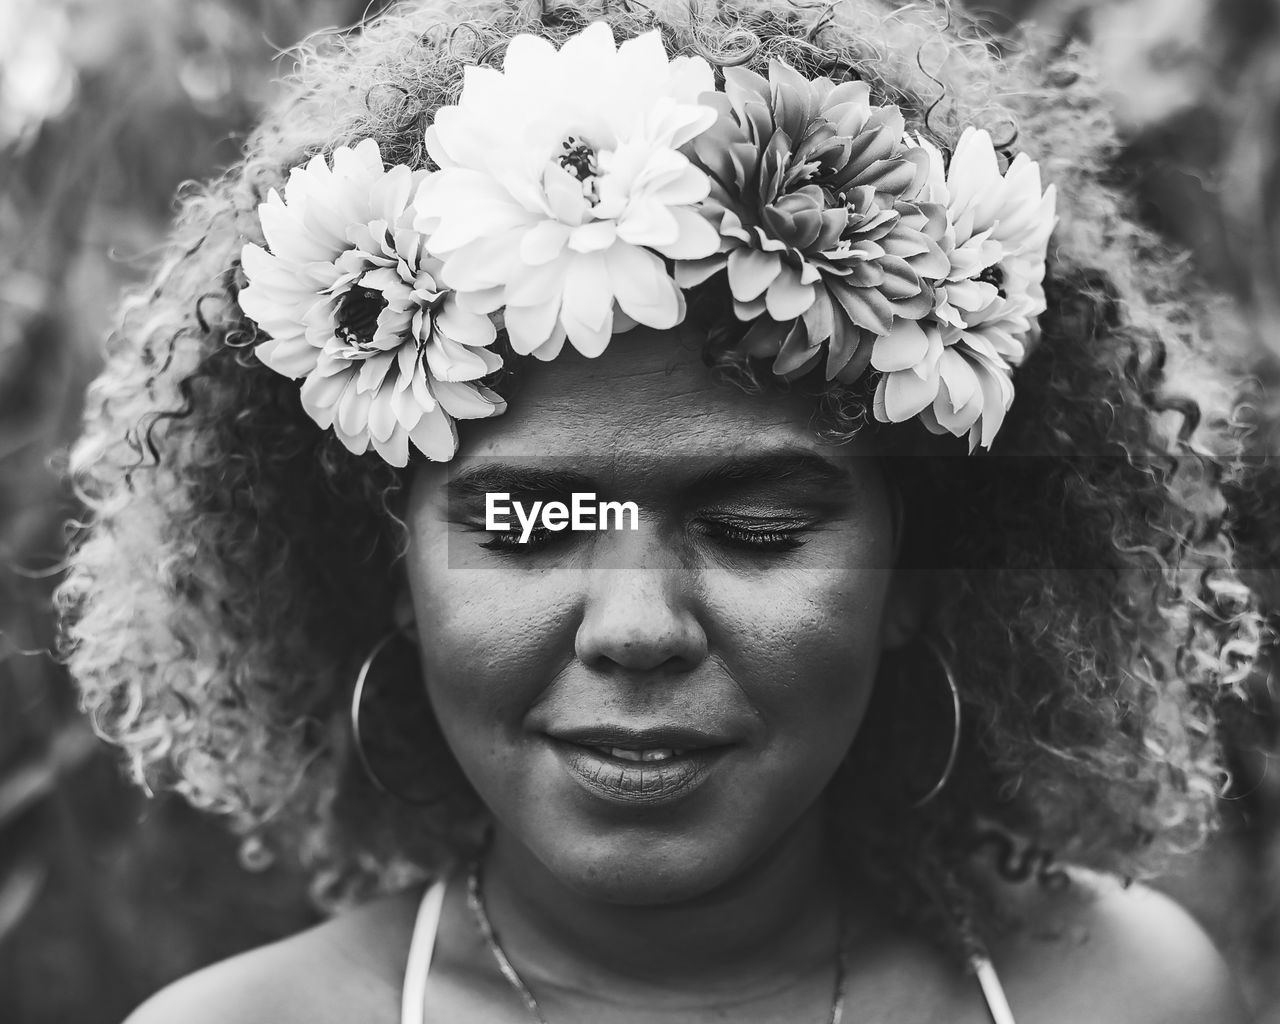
639,783
657,737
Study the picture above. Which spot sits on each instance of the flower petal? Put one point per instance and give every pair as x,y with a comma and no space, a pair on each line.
290,358
322,392
593,237
435,435
544,242
697,237
395,448
449,361
906,394
902,348
382,416
528,327
694,272
751,272
643,289
960,381
463,327
463,401
787,298
587,309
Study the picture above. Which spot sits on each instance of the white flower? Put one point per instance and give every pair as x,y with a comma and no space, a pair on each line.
954,368
353,303
561,187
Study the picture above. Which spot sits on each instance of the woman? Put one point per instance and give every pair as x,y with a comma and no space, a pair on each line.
790,749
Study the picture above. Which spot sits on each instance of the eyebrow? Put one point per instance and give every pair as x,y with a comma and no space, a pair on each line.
796,468
504,478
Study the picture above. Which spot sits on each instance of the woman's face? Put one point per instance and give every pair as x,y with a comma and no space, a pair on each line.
649,711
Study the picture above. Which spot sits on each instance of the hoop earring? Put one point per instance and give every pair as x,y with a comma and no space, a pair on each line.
357,696
955,733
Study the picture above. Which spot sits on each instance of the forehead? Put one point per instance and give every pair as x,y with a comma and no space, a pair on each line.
649,393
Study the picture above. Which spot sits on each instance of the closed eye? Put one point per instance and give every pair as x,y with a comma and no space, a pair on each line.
509,540
764,537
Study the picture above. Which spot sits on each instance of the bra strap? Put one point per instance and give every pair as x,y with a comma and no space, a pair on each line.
427,923
992,990
414,999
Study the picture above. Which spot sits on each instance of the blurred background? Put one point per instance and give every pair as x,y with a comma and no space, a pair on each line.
107,106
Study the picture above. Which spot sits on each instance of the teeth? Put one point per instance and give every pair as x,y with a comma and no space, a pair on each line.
658,754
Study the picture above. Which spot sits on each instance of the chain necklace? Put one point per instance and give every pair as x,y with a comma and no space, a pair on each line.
475,900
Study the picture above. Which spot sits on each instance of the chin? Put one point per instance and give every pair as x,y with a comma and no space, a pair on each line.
625,868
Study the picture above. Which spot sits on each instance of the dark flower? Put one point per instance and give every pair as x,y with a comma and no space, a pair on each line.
825,238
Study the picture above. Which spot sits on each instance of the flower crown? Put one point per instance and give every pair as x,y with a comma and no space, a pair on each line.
580,190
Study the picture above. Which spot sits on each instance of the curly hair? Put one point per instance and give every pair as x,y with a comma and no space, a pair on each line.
236,563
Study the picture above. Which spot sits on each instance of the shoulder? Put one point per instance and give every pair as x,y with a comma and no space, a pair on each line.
348,968
1100,951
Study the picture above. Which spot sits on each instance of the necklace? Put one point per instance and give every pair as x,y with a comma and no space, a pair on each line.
475,900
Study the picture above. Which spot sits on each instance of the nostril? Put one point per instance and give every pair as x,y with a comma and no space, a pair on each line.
682,646
639,622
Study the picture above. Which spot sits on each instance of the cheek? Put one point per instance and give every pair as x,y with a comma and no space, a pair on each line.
805,649
490,639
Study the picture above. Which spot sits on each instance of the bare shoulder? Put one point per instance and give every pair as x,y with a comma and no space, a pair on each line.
1100,951
347,968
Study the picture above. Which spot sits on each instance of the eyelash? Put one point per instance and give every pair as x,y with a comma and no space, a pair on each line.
509,541
760,540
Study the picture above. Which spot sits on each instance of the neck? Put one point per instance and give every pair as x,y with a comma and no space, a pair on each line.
780,916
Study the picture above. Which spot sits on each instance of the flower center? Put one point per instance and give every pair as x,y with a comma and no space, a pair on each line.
358,315
579,159
994,275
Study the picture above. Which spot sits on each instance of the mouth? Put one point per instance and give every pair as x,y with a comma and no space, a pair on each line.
650,754
639,767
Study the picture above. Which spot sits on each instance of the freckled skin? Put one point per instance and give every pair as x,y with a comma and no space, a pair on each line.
722,906
778,651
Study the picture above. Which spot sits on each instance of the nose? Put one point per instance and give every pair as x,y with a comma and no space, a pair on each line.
641,619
